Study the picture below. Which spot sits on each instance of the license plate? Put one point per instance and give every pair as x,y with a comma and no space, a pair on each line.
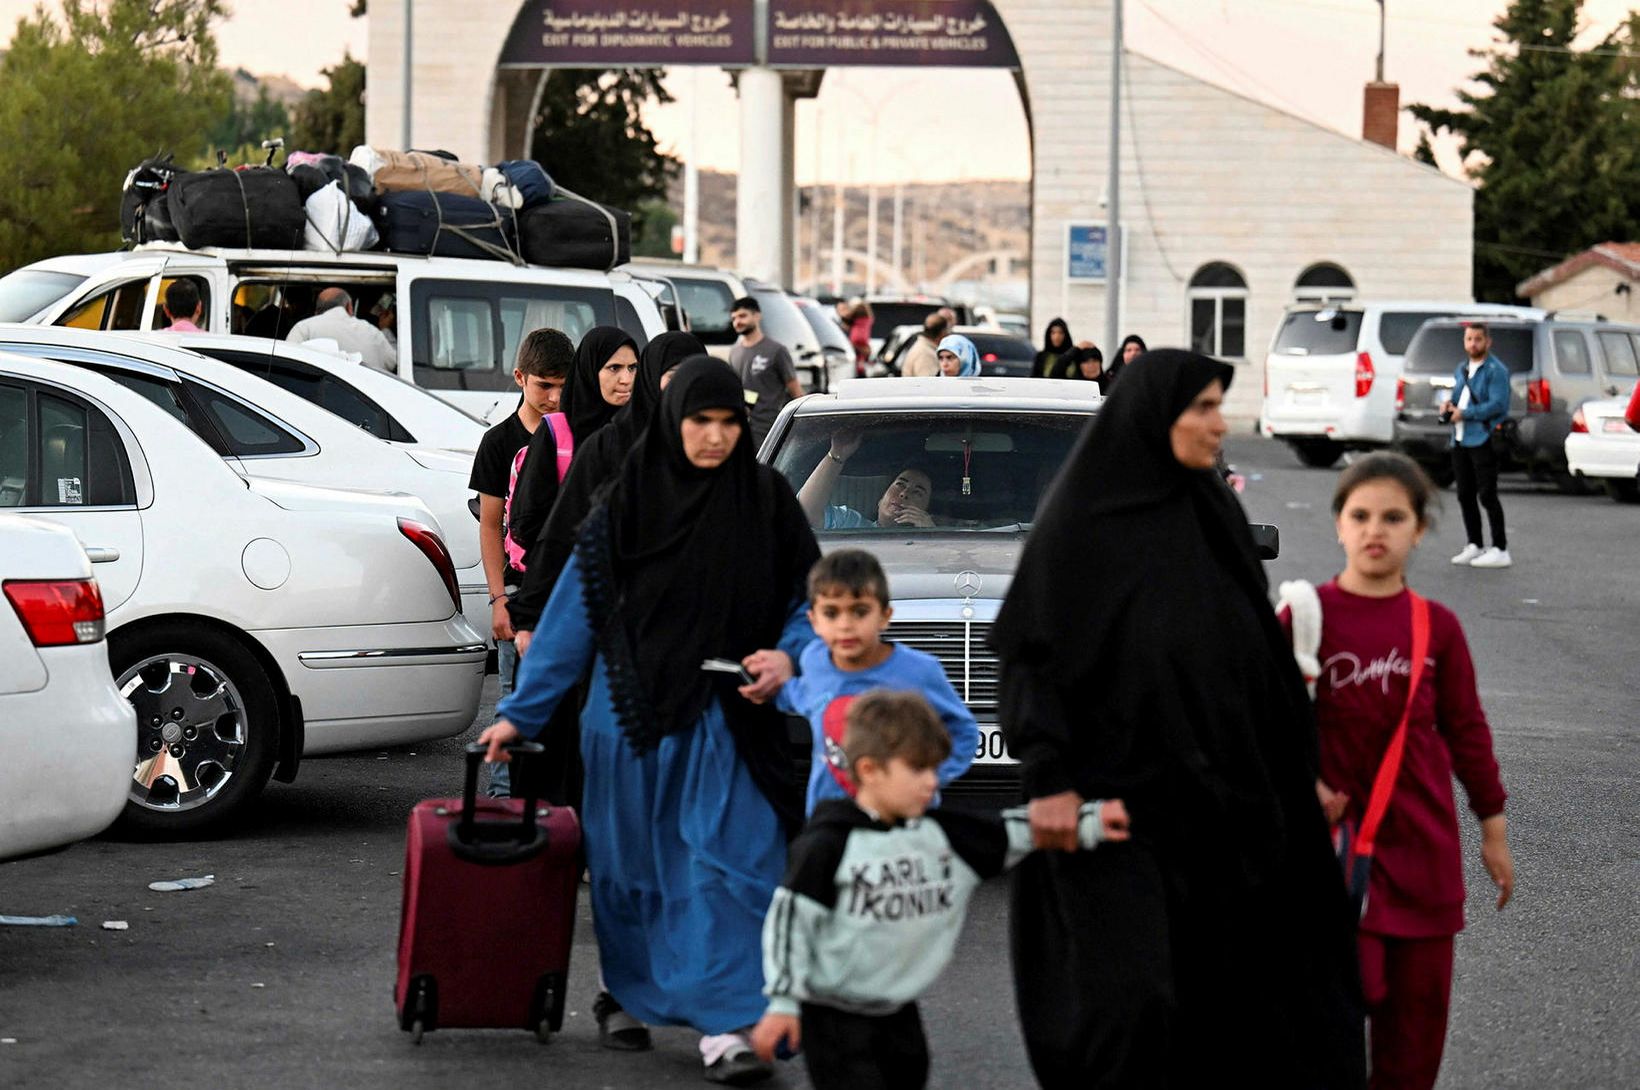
1619,426
1306,398
992,749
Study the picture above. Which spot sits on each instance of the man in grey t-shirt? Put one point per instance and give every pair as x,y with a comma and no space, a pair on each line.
764,366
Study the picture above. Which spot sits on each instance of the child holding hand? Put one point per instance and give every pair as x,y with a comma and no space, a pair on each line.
874,897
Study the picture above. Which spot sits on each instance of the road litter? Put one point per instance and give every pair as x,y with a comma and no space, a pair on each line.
259,984
8,1040
38,921
1297,505
177,885
116,925
1530,601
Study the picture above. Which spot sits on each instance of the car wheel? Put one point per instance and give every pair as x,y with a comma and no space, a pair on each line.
1623,491
1317,453
207,727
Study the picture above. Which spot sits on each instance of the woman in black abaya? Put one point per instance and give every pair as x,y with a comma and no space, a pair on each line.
1218,944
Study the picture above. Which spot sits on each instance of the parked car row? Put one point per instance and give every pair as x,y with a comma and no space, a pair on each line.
273,576
1366,375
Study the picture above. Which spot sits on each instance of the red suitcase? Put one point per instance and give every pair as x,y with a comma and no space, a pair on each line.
479,876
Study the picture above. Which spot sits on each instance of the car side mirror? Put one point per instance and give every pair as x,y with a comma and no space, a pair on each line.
1266,539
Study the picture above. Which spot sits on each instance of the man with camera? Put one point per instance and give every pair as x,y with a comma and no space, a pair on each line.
1480,404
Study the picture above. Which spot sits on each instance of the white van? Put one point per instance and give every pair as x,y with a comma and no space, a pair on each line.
459,320
1329,378
706,294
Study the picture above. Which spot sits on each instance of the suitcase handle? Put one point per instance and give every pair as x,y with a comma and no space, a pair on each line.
496,843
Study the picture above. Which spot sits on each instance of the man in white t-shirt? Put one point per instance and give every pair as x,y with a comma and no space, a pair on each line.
333,320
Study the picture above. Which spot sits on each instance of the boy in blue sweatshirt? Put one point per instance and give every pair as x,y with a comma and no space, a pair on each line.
874,897
849,609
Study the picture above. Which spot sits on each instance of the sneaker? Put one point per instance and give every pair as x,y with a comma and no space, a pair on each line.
738,1067
617,1029
1470,552
1492,558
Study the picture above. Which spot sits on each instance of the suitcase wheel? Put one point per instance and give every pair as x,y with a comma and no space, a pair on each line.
547,1006
418,1015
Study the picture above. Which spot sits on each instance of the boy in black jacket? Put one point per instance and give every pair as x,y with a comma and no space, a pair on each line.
874,897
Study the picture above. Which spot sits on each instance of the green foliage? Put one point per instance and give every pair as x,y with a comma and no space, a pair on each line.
1552,137
249,122
590,135
85,97
331,119
654,237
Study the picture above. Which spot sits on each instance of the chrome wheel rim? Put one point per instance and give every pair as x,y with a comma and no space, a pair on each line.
191,731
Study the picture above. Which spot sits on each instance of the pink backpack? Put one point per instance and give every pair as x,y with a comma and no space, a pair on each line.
559,425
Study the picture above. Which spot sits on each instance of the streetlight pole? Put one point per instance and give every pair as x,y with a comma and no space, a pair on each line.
404,131
1113,223
1380,77
691,176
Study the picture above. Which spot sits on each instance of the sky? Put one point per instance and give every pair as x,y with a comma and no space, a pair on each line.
1308,57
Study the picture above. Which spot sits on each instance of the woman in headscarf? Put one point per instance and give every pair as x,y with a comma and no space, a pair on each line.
958,357
693,551
1056,342
1132,347
595,462
1219,942
600,382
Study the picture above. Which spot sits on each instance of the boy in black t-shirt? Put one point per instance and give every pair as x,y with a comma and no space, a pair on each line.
544,359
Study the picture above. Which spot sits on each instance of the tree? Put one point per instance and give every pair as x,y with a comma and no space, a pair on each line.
248,122
590,135
332,118
1553,140
654,237
84,99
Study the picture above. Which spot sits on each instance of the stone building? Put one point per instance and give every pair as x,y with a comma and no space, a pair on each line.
1231,208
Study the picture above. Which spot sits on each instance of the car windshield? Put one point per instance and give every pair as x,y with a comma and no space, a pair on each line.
707,303
1318,333
26,292
909,471
1438,349
885,315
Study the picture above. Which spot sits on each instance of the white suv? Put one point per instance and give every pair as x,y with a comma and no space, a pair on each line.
1329,379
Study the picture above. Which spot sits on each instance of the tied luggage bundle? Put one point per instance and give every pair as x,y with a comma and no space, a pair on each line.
444,225
418,172
145,214
576,233
252,207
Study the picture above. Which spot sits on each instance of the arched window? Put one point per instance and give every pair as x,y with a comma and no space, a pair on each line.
1218,311
1323,282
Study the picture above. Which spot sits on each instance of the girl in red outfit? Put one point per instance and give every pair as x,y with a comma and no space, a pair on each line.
1415,895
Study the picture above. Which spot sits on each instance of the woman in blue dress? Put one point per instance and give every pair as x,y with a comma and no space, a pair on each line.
695,551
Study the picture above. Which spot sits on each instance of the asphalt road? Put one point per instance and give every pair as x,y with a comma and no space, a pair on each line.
280,974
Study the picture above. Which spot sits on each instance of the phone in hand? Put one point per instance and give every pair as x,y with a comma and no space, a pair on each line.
728,666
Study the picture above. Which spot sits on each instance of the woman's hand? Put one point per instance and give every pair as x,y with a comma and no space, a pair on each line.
770,670
1053,821
521,641
1333,803
498,734
500,622
1113,821
844,443
1495,854
771,1030
914,516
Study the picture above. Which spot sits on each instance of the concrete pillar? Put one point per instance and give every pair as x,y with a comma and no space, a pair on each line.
763,192
788,187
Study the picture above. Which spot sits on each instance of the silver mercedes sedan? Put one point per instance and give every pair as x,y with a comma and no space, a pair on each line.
939,478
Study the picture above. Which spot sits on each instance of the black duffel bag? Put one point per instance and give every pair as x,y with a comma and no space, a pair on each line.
144,216
257,208
443,225
354,180
573,232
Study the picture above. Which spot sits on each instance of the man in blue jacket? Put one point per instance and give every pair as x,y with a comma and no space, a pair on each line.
1480,403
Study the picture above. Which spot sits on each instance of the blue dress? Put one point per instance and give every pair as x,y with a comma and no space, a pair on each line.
683,849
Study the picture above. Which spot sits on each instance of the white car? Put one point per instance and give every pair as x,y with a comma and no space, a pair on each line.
1603,447
384,405
250,621
266,431
65,723
1330,377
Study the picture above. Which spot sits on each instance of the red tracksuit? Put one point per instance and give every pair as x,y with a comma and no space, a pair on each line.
1415,896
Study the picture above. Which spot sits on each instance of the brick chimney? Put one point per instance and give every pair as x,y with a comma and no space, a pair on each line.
1380,113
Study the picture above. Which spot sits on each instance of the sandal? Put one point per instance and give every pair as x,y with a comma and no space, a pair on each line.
617,1029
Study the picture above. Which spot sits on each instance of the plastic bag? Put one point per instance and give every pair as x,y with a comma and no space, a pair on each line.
335,224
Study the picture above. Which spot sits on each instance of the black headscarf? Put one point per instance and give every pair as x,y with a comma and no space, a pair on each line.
1048,362
595,462
682,564
583,404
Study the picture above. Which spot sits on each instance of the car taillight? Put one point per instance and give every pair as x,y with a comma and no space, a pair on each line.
1578,423
1537,396
1400,394
989,357
432,547
1364,374
57,612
